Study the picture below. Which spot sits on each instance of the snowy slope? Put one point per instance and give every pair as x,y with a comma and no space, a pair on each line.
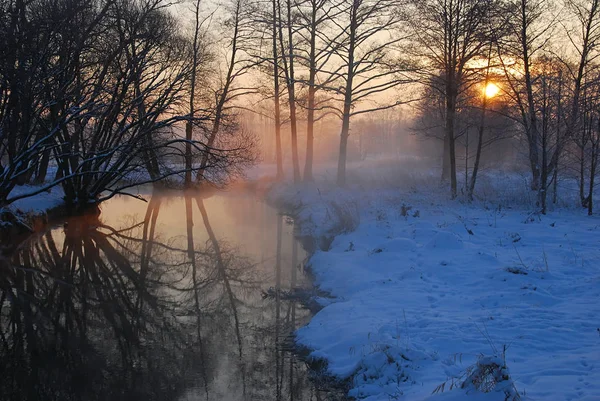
39,203
421,293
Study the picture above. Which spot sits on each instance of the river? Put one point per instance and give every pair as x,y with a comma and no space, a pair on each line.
176,298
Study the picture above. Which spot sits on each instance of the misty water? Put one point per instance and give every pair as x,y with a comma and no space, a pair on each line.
179,298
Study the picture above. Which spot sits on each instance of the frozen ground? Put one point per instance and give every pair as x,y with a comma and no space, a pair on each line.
423,286
39,203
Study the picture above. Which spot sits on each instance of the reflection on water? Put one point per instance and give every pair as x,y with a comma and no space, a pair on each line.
162,300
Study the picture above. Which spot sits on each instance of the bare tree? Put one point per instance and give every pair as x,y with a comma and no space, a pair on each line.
287,49
480,128
586,142
369,68
40,53
99,88
275,26
532,89
594,157
584,38
529,35
315,54
450,35
239,32
190,123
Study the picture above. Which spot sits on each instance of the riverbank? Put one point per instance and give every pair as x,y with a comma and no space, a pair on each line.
30,214
425,288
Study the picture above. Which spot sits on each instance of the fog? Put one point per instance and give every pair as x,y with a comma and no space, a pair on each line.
309,199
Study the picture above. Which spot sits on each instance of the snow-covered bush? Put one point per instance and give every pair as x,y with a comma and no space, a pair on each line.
488,375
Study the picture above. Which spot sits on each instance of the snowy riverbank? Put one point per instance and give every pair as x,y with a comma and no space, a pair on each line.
23,215
424,287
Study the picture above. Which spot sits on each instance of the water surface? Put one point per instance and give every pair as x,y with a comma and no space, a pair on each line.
179,298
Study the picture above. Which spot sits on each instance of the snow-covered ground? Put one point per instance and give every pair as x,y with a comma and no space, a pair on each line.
39,203
423,287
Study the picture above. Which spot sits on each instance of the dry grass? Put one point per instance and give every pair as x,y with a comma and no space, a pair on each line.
488,374
345,215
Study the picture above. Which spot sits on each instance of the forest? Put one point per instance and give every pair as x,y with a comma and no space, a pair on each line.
307,199
99,96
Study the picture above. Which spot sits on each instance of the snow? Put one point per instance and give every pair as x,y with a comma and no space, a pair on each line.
423,286
39,203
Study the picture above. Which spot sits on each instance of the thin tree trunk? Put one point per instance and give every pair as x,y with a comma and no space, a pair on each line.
291,84
467,161
222,100
544,175
531,127
481,128
310,123
593,163
558,141
545,128
595,142
450,123
276,94
341,172
189,123
149,151
446,157
582,170
43,168
480,132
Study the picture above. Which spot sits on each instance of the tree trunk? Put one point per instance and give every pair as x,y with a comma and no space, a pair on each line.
530,122
291,85
222,99
189,124
479,146
450,119
446,157
582,172
276,96
467,161
590,198
545,112
544,176
341,171
188,150
310,123
42,168
558,141
150,156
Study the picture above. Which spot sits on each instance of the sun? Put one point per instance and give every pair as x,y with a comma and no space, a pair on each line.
491,90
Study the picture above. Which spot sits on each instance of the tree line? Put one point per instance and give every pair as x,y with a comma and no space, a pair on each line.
95,97
106,90
541,56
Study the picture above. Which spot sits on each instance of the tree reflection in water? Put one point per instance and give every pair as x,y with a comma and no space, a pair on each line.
94,312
